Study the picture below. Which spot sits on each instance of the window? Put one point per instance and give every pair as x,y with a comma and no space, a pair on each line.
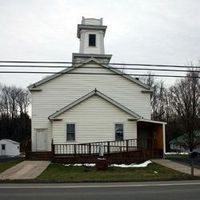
70,132
92,40
3,147
119,132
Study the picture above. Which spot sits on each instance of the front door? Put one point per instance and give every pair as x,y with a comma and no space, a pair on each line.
41,140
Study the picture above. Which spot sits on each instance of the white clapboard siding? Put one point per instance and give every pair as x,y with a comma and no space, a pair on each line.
94,120
98,49
65,89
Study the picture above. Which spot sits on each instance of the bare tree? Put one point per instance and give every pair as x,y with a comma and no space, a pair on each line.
13,100
185,99
159,101
5,100
14,120
13,96
23,100
158,97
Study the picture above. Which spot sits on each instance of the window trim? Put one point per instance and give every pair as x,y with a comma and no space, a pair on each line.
115,130
95,43
67,133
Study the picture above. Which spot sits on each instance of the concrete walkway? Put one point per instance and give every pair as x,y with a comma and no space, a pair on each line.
176,166
25,170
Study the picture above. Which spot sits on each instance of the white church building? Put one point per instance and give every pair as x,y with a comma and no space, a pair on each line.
91,101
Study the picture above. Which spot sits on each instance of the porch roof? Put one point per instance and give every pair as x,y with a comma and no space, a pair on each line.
151,121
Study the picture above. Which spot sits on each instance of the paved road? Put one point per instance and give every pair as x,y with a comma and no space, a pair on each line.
187,190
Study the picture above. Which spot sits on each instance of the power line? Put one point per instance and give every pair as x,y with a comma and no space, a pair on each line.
34,64
121,68
116,63
88,73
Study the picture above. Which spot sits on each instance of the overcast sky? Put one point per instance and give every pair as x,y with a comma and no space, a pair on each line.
139,31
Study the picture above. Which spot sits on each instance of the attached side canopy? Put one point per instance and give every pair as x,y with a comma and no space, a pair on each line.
153,132
151,121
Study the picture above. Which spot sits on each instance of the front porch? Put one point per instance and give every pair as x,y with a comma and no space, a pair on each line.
150,143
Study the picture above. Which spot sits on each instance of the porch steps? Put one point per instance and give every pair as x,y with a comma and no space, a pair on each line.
47,155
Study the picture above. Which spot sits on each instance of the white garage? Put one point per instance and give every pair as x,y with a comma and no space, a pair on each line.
9,148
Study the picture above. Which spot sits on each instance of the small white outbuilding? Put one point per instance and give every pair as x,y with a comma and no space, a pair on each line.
9,148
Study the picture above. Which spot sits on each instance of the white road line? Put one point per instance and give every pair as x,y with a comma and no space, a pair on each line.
94,186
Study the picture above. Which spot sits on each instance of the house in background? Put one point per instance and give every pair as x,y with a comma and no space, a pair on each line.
92,103
9,148
181,143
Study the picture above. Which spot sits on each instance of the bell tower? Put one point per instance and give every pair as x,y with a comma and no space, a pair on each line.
91,33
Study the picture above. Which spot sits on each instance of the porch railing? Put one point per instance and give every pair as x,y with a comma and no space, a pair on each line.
95,147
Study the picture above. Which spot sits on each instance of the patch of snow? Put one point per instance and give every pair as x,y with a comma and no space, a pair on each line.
77,165
90,164
133,165
80,165
183,153
176,153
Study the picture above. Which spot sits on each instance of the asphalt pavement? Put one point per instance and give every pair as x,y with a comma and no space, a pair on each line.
173,190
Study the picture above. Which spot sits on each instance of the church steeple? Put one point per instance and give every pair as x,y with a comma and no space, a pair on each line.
91,33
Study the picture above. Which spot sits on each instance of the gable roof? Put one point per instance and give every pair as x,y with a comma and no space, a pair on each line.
87,96
11,141
65,71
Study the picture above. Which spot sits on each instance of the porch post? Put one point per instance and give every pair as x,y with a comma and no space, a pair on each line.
52,147
108,150
127,145
164,141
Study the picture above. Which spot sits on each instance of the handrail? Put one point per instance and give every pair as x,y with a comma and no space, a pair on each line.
94,147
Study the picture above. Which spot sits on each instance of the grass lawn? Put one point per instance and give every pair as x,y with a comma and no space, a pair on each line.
60,173
7,164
